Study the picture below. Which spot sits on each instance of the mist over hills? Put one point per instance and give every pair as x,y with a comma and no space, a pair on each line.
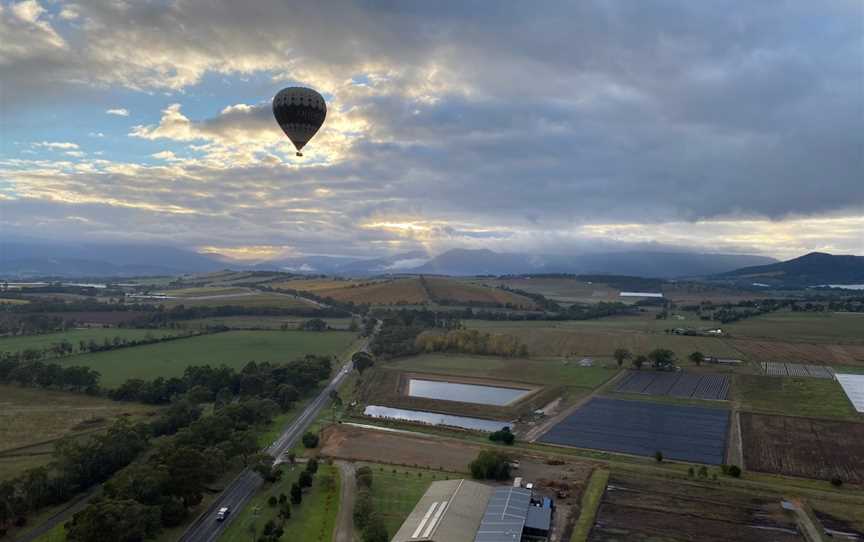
44,258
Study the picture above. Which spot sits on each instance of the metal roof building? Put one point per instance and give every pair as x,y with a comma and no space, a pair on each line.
449,511
505,515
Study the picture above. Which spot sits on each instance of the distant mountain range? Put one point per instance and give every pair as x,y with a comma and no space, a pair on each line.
812,269
40,258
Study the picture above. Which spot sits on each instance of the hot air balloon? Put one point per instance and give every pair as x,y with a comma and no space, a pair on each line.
300,113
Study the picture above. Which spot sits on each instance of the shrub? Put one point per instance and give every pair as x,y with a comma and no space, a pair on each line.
310,440
836,481
734,471
658,455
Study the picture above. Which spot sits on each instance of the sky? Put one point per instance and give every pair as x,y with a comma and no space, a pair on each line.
548,128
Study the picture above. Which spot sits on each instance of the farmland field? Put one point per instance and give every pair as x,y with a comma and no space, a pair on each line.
545,372
32,418
646,509
391,292
795,352
247,299
679,384
467,292
595,341
793,396
685,433
395,491
802,327
16,344
232,348
803,447
562,290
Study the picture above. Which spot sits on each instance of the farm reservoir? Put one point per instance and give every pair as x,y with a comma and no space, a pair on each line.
466,393
434,418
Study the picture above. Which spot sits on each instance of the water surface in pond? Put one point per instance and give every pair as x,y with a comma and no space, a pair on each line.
466,393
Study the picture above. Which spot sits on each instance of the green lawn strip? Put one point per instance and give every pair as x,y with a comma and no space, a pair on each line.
311,521
233,348
848,369
98,334
813,397
396,490
590,503
263,322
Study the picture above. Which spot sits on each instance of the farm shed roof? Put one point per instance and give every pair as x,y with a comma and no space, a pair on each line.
449,511
853,385
505,515
538,518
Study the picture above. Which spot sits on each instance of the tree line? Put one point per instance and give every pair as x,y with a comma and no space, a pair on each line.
366,518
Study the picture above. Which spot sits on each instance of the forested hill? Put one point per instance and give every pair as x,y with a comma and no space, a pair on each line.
811,269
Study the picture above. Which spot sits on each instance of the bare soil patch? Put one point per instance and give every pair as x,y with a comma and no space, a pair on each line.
648,509
804,447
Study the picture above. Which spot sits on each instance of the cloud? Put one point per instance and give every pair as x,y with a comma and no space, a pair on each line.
118,112
594,123
56,145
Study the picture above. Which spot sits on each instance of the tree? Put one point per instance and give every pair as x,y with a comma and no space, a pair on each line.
272,501
697,357
310,440
364,477
315,324
296,493
362,361
639,361
375,531
490,465
312,465
504,435
305,479
658,455
621,355
284,510
662,359
364,509
117,520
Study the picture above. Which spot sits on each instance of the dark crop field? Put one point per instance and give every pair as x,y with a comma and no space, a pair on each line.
804,447
685,433
680,384
642,509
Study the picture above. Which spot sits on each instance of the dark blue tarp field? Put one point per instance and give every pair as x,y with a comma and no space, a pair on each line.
685,433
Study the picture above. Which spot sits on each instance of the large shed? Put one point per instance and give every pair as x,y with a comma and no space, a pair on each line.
449,511
505,515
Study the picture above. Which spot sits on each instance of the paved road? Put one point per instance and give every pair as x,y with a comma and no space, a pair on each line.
238,492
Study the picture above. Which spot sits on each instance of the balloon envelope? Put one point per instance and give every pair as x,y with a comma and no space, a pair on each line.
300,112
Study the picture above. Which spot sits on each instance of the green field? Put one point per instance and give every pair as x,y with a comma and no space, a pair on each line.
395,491
16,344
600,338
546,372
32,419
232,348
311,521
814,397
591,497
802,326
